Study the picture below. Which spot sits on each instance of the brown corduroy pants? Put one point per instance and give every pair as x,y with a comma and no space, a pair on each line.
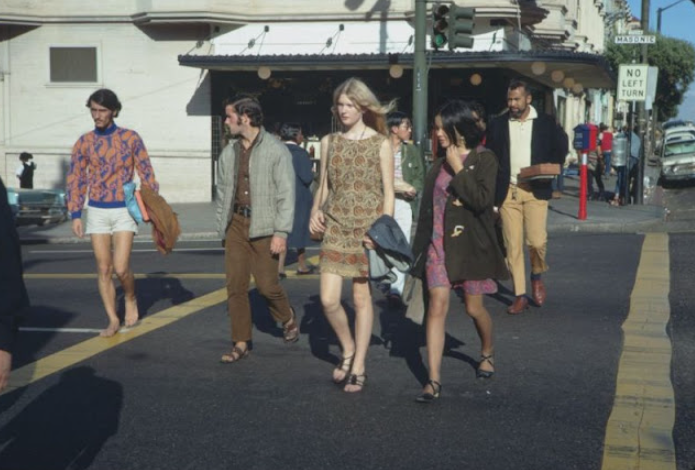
243,258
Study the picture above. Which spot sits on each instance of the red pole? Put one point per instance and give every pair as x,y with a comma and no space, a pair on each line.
582,188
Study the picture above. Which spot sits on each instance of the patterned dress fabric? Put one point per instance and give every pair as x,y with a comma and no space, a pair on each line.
355,201
435,267
103,161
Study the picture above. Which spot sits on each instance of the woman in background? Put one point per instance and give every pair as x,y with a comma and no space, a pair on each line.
291,134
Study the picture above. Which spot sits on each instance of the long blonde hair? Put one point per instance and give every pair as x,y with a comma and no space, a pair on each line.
360,94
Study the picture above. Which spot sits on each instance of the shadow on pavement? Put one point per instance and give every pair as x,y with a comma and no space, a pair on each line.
28,344
149,291
64,427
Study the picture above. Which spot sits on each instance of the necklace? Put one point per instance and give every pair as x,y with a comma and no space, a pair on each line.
364,129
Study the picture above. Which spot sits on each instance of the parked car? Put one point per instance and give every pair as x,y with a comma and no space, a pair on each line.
37,206
678,157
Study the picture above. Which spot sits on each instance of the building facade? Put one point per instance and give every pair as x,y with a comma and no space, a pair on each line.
173,62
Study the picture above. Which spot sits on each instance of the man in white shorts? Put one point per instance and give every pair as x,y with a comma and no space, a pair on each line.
102,161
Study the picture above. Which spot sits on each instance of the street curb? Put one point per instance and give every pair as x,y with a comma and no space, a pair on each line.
609,227
184,237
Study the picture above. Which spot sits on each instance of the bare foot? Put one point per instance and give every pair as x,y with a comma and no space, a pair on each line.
111,330
131,312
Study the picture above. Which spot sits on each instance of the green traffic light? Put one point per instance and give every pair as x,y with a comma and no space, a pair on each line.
439,40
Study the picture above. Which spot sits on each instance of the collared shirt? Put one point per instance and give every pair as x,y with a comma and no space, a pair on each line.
397,163
243,185
520,143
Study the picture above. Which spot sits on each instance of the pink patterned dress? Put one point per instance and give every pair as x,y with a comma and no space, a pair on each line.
435,267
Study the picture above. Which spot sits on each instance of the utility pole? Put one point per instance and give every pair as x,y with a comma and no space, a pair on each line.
420,77
639,184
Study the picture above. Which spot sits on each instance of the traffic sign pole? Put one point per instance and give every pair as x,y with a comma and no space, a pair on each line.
639,184
583,187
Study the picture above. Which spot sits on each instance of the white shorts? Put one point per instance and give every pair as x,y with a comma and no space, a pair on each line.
110,220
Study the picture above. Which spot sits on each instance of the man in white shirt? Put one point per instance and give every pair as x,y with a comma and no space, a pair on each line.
521,138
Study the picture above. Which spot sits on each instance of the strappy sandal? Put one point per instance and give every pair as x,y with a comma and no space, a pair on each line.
358,380
344,366
485,374
427,397
235,355
290,330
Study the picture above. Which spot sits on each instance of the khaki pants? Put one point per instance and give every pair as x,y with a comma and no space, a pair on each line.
523,214
243,258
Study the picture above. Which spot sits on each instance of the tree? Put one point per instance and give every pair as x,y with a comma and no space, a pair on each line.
675,59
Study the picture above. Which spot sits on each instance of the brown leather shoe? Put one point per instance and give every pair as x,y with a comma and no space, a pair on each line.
538,290
520,304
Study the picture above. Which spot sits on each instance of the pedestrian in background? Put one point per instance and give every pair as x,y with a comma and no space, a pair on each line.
409,176
521,138
255,212
357,188
595,169
102,161
13,293
291,134
606,144
620,164
456,233
25,170
635,155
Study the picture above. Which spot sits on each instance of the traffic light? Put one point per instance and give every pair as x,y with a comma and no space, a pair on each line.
440,25
461,27
452,25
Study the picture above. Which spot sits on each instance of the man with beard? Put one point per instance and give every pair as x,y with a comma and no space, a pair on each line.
521,138
102,162
255,213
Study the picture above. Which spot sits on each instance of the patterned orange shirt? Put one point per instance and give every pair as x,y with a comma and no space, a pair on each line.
101,163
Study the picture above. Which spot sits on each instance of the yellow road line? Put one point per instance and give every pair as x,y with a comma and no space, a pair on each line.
639,433
61,360
68,357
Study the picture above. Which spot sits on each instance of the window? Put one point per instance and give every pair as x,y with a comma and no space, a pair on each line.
73,64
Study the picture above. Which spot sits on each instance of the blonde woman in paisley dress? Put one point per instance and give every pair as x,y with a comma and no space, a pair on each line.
357,190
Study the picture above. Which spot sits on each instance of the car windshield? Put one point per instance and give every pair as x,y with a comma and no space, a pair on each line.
684,147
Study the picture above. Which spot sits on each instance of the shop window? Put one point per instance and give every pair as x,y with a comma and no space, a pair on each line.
73,64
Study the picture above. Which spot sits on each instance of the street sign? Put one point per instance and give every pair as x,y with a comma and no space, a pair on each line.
636,39
632,82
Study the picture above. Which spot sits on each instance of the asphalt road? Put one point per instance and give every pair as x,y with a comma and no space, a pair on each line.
161,400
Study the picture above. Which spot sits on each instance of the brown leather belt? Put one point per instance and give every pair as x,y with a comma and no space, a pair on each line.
242,210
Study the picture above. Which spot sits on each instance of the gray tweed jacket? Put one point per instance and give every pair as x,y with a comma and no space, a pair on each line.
272,187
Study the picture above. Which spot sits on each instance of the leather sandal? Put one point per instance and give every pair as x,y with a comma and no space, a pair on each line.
358,380
235,355
485,374
344,366
427,397
290,330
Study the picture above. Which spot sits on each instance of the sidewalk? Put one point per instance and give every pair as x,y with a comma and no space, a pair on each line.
601,216
198,219
197,222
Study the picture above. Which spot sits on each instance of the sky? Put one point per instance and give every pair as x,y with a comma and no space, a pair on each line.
676,22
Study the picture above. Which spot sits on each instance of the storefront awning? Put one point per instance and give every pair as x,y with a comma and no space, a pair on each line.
554,69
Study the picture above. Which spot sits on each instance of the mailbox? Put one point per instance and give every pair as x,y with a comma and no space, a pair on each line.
585,137
581,137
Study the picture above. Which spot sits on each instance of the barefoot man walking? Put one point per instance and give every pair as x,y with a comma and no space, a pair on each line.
102,161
